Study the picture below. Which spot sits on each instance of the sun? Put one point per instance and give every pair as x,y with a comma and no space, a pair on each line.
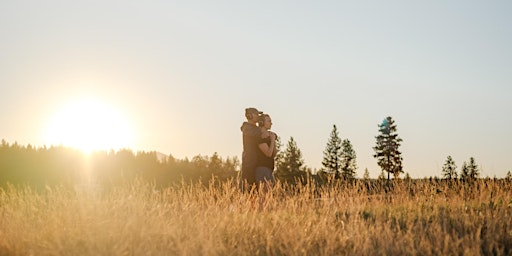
89,125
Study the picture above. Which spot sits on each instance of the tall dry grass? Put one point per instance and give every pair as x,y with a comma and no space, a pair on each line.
404,218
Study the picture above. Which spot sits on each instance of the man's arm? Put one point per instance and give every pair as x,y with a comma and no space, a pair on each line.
250,130
254,131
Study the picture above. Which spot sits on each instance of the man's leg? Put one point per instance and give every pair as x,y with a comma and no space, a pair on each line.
248,178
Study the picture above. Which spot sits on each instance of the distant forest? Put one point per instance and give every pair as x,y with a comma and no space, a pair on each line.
57,165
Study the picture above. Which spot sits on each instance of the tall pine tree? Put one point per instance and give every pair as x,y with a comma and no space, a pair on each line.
474,171
348,160
449,169
291,167
279,159
333,155
464,172
389,158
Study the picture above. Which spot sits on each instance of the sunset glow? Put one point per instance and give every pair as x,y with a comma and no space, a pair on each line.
89,125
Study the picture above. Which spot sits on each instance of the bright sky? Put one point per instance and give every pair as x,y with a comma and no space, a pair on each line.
178,75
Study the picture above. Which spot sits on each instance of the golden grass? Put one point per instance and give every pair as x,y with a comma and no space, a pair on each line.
418,218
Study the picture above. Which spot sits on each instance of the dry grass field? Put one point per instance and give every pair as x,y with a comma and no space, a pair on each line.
412,218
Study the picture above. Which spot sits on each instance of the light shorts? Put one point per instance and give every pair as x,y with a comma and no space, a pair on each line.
264,174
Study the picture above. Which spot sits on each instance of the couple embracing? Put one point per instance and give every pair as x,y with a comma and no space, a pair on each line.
259,150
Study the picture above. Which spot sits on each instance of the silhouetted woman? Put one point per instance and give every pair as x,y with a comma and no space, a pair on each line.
266,155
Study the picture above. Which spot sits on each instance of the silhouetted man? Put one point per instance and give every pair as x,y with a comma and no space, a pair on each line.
251,134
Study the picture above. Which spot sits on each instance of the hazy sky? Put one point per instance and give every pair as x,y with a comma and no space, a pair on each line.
181,74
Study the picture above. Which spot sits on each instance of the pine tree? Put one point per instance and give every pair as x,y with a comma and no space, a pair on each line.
509,176
449,169
220,168
348,160
469,172
389,158
292,165
279,159
474,172
464,172
215,164
407,177
332,154
366,175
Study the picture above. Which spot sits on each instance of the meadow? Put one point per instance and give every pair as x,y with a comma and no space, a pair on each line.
417,217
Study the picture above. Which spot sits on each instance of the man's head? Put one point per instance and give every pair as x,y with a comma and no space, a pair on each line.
252,114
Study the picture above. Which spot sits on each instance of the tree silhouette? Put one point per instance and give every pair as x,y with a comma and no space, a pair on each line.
292,166
474,171
348,160
366,175
449,169
215,165
279,159
464,172
389,158
469,171
332,161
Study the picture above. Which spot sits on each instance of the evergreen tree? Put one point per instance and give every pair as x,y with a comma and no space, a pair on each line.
389,158
348,160
332,160
509,176
215,166
474,172
366,175
292,164
469,172
279,159
449,169
464,172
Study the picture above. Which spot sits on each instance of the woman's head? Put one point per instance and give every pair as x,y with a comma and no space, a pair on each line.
265,122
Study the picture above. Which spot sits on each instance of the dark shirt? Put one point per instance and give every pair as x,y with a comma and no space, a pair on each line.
264,160
251,134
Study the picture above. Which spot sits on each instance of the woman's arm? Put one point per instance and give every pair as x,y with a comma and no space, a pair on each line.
273,138
268,150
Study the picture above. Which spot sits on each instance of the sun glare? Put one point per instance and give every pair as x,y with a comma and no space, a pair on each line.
89,125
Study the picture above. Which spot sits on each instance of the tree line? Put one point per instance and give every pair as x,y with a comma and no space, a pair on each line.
67,166
62,165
